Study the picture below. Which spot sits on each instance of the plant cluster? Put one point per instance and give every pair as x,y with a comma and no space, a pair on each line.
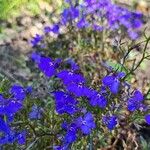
74,110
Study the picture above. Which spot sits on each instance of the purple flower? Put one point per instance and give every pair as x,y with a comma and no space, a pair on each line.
18,92
97,28
82,23
21,137
61,147
147,119
78,89
35,41
35,112
71,134
4,127
11,137
12,107
46,65
65,103
47,29
36,57
86,123
28,89
69,76
89,11
135,101
132,34
110,121
55,28
113,82
74,66
69,14
98,100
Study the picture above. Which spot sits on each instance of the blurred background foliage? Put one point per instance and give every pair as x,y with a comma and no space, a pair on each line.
12,8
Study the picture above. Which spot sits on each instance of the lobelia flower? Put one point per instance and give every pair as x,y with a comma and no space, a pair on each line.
97,99
70,77
12,137
46,65
36,57
35,112
8,108
12,107
74,66
79,89
65,103
21,137
47,29
71,135
147,119
69,14
110,121
132,34
97,27
86,123
28,89
113,82
88,13
36,40
62,147
82,23
55,28
18,92
4,127
135,101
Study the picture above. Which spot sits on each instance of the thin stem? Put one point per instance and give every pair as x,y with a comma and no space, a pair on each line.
142,59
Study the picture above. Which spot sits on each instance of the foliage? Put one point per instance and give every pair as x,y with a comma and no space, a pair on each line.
11,8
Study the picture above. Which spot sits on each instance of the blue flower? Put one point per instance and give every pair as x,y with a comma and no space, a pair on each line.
38,38
12,107
21,137
98,100
82,23
69,14
135,101
28,89
88,12
113,82
12,137
71,135
36,57
65,103
55,28
4,127
69,77
132,34
86,123
79,89
46,65
110,121
74,66
61,147
147,119
47,29
35,112
2,104
97,27
18,92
